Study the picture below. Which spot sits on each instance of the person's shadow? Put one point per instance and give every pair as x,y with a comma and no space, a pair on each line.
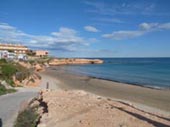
0,122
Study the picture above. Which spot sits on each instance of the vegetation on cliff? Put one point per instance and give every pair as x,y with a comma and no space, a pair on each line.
31,113
27,118
8,70
3,90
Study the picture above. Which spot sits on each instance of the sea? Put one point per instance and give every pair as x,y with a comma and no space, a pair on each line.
146,72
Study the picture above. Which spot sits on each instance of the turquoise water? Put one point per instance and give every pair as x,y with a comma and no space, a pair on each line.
149,72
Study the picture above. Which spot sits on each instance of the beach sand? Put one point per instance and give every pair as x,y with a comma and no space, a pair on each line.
77,108
158,100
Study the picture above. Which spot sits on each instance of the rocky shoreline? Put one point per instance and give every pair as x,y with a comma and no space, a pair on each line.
67,61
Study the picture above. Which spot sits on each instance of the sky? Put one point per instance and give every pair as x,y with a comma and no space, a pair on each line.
88,28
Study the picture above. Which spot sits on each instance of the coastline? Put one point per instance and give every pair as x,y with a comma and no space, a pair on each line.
157,99
127,83
151,86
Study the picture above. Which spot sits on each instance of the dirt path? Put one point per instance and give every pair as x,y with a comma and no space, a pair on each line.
10,104
52,82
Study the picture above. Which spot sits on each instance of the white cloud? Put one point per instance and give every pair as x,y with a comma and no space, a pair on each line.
10,33
155,26
148,26
5,26
143,29
127,8
65,39
119,35
165,26
91,29
64,31
67,35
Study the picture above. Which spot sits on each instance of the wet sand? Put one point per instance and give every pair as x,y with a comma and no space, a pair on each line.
159,100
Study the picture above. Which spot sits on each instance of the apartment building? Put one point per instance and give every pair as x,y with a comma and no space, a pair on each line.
41,53
16,48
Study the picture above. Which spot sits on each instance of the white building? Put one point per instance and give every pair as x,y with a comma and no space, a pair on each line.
8,55
22,57
4,54
12,55
13,51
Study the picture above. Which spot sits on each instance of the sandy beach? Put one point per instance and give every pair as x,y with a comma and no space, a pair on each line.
77,108
157,101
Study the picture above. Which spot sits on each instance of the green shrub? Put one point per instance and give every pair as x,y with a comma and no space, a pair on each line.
11,90
27,118
20,76
8,70
32,62
3,90
3,61
10,82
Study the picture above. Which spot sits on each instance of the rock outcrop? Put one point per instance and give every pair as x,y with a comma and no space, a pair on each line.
39,67
33,80
66,61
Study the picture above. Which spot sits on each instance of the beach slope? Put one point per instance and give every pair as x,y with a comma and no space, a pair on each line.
75,108
158,100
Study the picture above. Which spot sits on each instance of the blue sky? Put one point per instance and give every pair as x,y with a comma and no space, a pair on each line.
88,28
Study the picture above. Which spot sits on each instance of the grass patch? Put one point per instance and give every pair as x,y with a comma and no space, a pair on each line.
3,61
32,62
3,90
10,69
27,118
10,82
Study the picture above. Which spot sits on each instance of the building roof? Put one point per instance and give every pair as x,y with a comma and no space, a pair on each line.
12,47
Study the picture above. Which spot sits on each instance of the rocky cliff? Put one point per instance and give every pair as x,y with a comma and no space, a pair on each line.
66,61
